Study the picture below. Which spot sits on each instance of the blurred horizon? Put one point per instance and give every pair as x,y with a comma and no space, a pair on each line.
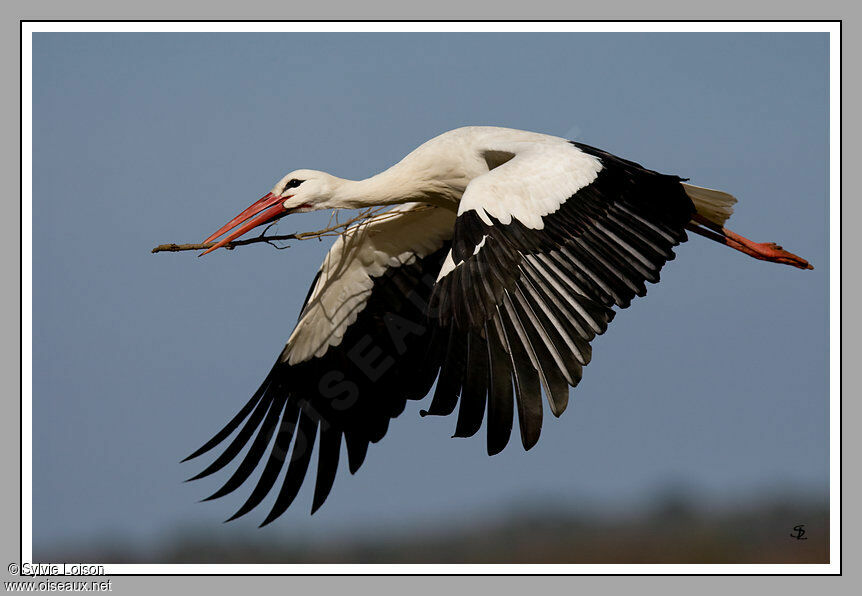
674,526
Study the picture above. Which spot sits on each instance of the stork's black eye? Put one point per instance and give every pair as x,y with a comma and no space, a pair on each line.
293,183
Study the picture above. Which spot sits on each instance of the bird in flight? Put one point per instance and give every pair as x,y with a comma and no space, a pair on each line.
501,258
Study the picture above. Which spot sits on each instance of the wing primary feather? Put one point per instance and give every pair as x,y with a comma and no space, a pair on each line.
327,464
241,439
600,272
276,460
593,327
526,382
598,313
621,267
544,352
518,327
558,327
624,252
357,448
655,228
657,244
303,445
500,395
449,383
566,322
235,421
255,452
627,244
552,276
536,310
566,260
558,391
428,363
472,408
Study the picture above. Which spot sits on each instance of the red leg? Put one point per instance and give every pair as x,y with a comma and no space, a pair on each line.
764,251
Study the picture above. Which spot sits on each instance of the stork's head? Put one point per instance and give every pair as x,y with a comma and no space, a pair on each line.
298,192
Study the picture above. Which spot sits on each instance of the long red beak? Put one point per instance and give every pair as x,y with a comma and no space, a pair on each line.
267,209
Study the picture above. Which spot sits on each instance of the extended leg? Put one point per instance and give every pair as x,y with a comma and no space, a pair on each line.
765,251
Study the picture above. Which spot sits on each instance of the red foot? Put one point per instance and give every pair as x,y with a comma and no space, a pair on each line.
765,251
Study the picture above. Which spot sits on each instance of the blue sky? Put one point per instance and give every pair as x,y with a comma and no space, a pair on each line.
716,380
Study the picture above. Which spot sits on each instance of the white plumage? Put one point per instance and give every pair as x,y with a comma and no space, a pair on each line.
355,259
502,258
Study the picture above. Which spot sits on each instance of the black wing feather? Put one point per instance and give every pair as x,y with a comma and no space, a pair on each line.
306,433
528,392
500,393
239,441
472,409
327,464
547,292
255,453
334,397
275,463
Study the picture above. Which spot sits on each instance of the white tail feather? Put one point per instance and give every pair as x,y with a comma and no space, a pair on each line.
714,205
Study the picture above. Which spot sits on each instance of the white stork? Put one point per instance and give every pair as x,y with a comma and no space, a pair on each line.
500,261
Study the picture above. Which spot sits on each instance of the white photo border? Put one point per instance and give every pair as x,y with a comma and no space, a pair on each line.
833,28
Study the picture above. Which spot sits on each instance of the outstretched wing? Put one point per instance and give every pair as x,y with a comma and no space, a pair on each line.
543,246
361,348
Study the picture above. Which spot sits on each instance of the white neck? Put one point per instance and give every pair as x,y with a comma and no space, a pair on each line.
396,185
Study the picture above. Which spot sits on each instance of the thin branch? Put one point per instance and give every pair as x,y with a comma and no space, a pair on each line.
331,230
